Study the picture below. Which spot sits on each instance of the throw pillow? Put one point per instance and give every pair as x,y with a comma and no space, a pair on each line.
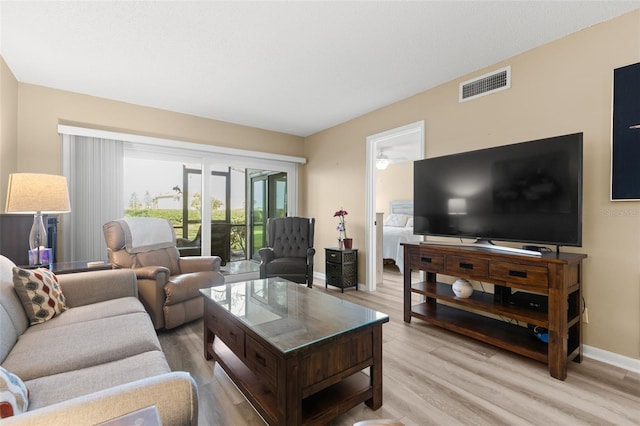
40,293
14,397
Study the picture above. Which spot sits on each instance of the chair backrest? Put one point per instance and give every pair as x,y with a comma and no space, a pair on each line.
290,236
120,256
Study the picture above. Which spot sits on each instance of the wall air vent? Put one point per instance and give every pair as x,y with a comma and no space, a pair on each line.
485,84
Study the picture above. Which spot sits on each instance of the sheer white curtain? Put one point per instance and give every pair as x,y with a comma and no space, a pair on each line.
94,169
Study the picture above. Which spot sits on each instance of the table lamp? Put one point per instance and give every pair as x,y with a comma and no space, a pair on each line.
37,193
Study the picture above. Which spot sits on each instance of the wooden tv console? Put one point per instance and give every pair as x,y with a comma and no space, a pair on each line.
558,276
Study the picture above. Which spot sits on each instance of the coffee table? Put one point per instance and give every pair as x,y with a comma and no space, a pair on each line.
298,355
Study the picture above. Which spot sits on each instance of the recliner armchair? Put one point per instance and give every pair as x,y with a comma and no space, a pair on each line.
290,249
168,285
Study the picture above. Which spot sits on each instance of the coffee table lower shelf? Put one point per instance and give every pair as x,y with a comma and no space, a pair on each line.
318,408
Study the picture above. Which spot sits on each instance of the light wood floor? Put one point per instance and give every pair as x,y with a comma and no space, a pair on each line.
434,377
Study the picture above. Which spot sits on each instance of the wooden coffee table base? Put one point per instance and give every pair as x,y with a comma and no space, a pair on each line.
310,385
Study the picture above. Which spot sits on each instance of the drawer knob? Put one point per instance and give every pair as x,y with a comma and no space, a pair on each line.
464,265
425,259
519,274
260,360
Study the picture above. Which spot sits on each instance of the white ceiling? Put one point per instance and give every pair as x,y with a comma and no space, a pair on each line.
297,67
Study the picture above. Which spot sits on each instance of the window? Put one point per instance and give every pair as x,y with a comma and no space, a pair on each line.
163,178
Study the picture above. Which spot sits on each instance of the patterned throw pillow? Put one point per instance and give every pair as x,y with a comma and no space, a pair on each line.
40,293
14,397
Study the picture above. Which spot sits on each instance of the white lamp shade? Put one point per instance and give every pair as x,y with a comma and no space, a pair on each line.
36,192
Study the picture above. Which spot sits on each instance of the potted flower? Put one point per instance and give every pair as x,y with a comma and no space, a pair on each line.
342,229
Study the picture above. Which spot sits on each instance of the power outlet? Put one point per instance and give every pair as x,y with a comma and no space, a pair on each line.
585,316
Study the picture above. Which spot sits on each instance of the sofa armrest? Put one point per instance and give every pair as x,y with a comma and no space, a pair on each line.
174,395
84,288
199,263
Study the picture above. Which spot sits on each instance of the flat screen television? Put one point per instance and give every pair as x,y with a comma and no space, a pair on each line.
528,192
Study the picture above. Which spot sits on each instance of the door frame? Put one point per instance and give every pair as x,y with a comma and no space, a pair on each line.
370,190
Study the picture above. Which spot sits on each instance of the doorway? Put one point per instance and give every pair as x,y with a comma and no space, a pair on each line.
405,143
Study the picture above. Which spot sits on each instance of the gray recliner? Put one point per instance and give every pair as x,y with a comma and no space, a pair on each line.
290,249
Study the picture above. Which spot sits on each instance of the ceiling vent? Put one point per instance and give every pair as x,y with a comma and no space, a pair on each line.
486,84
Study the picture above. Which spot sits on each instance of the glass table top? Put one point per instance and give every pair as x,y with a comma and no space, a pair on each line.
290,315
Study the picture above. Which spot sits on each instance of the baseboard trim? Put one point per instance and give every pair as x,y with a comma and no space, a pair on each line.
611,358
323,277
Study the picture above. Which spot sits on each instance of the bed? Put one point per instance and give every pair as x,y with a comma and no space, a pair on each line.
398,228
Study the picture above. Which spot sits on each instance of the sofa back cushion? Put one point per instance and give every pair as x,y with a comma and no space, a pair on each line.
8,334
13,319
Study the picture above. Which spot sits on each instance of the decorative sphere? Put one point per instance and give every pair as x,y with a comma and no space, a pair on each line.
462,288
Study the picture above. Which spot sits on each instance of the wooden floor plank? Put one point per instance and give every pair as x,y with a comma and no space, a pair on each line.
434,377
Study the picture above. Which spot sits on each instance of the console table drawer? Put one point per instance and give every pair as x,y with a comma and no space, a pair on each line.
260,360
426,261
478,268
529,276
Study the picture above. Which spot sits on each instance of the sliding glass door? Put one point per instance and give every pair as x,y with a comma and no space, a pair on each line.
268,199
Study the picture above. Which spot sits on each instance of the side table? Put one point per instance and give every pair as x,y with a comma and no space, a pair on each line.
71,267
77,266
341,268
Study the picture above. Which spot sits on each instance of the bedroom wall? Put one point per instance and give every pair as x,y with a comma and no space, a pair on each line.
395,183
562,87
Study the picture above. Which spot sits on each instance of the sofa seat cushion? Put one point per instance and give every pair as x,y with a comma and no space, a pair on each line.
56,388
95,311
187,286
287,265
40,353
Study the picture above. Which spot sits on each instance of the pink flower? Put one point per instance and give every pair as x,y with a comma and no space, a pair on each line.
342,227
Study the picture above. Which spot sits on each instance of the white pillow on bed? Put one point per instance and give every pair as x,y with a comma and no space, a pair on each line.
396,219
409,222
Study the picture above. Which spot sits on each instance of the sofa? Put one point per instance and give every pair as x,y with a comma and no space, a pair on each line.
95,361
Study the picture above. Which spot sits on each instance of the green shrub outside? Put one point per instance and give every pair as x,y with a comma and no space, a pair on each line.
238,234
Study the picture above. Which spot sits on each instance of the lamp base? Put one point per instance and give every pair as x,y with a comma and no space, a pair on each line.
42,256
37,239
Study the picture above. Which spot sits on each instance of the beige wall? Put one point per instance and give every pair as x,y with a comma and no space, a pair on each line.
41,109
562,87
395,183
8,127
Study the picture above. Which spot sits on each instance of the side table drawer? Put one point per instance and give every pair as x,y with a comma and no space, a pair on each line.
334,256
261,360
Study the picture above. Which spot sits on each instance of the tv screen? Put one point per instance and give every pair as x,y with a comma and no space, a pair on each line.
526,192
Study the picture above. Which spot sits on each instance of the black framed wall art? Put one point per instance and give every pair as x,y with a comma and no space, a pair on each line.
625,142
